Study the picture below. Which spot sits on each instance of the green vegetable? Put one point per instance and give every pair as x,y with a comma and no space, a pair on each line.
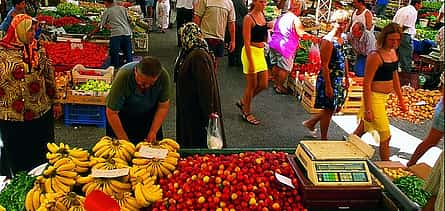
303,52
69,9
12,198
412,187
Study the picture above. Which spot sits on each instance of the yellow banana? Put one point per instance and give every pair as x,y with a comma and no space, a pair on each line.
140,198
90,187
56,186
52,147
104,141
79,169
66,181
79,154
152,194
104,151
169,166
62,162
47,185
28,200
120,185
69,174
172,160
132,203
124,154
84,180
84,163
140,161
51,156
170,142
66,167
128,146
164,170
60,207
173,154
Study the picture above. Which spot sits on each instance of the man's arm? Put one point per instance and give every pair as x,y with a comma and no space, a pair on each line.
160,115
116,124
197,20
368,19
232,36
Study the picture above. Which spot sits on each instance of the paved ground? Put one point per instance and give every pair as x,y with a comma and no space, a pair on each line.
281,115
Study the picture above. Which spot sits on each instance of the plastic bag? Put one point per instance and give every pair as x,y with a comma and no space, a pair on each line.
314,54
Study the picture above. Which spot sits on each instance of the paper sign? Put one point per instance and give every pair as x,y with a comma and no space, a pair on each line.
421,103
76,45
148,152
284,180
109,173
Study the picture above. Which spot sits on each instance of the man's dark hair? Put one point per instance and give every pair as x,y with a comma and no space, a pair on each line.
361,1
15,2
109,1
150,66
414,2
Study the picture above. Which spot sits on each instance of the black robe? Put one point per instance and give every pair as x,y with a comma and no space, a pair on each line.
197,96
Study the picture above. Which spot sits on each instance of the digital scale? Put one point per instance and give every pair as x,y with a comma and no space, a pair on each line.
336,163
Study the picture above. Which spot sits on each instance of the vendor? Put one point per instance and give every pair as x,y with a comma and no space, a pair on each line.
363,43
138,101
19,8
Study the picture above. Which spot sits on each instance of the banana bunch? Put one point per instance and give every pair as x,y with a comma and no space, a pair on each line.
157,167
108,147
166,143
78,156
126,201
140,175
60,177
50,203
106,185
71,199
147,194
77,208
35,196
108,163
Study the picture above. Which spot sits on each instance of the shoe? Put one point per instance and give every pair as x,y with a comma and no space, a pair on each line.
251,119
312,132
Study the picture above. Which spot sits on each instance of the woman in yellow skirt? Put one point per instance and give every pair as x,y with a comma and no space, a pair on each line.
381,78
252,57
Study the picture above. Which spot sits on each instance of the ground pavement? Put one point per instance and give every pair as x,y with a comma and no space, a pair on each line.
280,115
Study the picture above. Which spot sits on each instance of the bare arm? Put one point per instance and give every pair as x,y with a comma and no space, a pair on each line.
325,55
398,90
247,27
232,35
116,124
368,18
372,64
160,115
299,28
197,20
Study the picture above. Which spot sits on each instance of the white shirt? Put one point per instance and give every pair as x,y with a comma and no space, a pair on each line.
360,18
407,16
187,4
442,10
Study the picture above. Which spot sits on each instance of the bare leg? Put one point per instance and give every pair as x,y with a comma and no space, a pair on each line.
262,82
432,139
281,79
325,120
251,86
310,123
360,130
384,149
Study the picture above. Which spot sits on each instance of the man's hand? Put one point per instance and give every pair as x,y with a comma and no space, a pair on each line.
232,46
329,92
151,137
57,110
369,116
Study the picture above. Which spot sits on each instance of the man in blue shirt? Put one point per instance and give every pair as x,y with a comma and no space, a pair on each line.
19,8
380,8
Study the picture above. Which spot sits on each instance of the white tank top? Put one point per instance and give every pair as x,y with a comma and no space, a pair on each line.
360,18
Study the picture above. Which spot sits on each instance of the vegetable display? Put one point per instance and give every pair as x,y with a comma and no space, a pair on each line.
412,187
13,196
70,54
69,9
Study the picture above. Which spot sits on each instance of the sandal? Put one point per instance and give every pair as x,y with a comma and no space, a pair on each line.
239,105
312,131
251,119
280,92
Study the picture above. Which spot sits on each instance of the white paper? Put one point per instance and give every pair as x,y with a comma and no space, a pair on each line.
148,152
284,180
109,173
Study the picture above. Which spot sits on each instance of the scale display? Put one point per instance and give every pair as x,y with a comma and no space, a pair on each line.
341,172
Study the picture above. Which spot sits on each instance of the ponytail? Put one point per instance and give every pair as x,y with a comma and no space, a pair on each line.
251,6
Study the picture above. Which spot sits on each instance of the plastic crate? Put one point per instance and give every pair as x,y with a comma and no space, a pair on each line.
85,115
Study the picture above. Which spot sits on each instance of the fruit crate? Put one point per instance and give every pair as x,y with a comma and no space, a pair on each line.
81,74
71,97
353,100
84,115
140,43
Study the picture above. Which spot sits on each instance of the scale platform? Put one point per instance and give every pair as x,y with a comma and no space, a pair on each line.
335,163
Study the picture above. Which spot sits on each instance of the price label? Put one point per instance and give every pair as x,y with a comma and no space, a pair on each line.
148,152
76,46
109,173
284,180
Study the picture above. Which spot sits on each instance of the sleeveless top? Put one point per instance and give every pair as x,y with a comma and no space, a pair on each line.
385,71
360,18
285,39
258,33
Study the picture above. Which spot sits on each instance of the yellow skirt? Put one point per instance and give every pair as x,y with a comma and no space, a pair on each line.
381,121
259,60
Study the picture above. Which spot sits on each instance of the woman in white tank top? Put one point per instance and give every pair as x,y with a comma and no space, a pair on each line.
362,17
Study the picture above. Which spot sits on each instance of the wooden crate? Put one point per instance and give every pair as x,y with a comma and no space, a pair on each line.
308,98
353,100
84,99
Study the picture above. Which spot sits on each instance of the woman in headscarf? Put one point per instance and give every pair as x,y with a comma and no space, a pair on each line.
197,94
27,98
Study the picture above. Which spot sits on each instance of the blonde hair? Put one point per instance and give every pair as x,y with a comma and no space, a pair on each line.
340,16
388,29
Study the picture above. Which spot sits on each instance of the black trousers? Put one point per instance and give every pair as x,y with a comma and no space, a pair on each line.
183,16
25,143
136,126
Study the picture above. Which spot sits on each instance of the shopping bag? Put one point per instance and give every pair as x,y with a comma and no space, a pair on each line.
314,54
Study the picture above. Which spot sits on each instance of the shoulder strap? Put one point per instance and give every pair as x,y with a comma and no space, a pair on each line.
380,55
252,19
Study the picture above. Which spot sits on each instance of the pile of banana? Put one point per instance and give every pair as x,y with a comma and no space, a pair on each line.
70,171
396,173
155,166
107,147
78,156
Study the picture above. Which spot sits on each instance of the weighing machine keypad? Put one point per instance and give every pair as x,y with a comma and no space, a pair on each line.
341,172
